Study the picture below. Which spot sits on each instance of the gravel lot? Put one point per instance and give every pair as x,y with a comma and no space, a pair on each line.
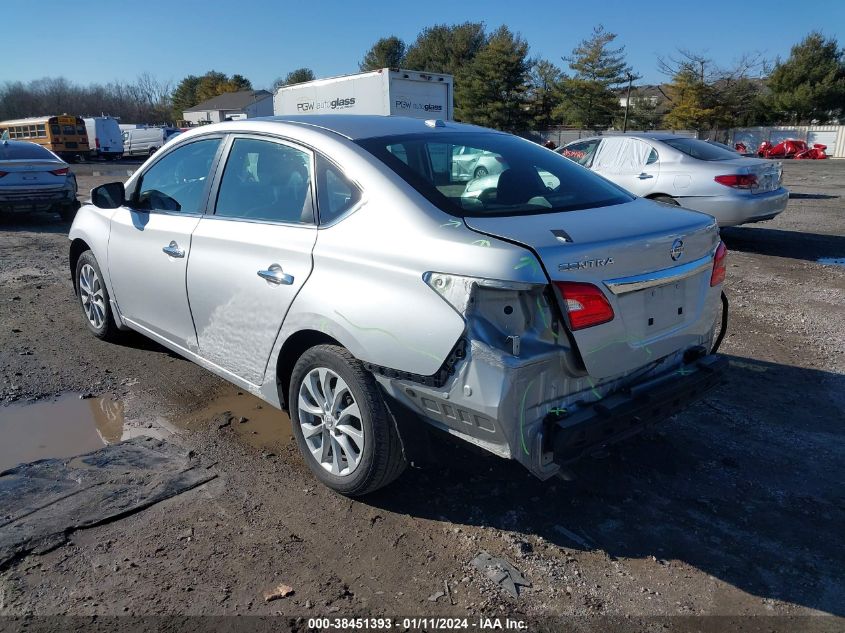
734,508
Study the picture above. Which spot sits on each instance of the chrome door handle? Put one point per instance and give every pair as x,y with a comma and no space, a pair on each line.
173,249
644,175
275,275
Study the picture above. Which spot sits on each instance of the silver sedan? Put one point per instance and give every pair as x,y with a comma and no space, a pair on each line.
32,178
336,267
687,172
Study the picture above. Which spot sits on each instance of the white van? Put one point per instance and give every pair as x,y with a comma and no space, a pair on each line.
104,137
146,141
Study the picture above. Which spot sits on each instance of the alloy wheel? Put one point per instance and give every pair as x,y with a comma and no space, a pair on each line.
91,296
330,421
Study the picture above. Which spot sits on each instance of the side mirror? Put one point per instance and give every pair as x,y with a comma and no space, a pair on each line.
109,196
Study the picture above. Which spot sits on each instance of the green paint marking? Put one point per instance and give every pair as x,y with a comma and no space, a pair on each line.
627,339
546,323
485,243
389,334
593,386
558,411
522,418
685,372
453,224
527,261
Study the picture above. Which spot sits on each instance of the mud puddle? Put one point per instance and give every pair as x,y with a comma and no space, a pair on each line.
69,425
252,419
61,427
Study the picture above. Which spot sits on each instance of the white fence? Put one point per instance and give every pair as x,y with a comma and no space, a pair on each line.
831,135
562,136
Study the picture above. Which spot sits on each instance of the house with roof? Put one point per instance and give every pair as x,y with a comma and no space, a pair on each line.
244,104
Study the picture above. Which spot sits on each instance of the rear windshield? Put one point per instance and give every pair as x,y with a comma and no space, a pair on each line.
701,150
24,151
489,174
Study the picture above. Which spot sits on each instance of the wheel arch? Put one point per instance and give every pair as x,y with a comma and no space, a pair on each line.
77,247
294,347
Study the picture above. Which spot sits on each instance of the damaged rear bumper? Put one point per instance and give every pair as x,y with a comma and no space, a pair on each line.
627,413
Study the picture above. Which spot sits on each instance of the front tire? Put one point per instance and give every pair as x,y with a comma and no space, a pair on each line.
341,423
94,298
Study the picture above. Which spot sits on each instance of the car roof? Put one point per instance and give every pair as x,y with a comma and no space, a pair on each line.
653,136
361,126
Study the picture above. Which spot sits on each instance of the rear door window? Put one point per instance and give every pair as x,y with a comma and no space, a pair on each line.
335,193
177,182
266,180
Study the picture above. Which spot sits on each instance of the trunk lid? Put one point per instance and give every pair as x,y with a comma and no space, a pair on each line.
21,173
769,172
659,301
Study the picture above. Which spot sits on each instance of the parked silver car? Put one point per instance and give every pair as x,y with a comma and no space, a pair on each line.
469,163
332,266
32,178
683,171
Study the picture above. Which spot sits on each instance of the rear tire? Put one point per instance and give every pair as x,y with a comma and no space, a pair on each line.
480,172
351,443
153,150
93,297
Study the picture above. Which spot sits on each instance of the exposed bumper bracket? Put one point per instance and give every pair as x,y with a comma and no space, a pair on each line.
625,414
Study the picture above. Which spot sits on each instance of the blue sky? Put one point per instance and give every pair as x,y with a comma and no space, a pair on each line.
262,40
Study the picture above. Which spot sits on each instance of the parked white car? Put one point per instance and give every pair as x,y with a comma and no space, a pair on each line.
105,137
683,171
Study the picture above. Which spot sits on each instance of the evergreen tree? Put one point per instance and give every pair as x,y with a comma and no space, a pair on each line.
810,84
544,93
193,90
590,100
185,95
491,90
388,52
298,76
445,49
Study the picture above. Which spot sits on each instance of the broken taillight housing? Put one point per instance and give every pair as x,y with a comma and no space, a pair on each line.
737,181
719,265
585,304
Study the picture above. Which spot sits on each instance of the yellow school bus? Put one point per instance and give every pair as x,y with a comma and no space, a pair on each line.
65,135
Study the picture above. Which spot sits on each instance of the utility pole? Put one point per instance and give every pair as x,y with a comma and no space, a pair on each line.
627,103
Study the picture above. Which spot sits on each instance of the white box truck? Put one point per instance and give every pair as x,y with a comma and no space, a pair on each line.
385,92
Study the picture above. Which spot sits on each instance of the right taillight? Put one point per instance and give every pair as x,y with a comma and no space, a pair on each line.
585,304
738,181
719,265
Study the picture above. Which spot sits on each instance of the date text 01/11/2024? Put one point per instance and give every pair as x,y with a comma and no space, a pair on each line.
417,623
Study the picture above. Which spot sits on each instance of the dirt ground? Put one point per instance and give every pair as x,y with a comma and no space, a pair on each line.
734,508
